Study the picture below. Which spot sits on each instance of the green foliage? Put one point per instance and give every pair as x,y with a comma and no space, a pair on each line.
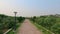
20,18
1,32
33,18
50,22
56,28
7,22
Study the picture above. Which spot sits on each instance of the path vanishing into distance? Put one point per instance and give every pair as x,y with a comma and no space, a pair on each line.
28,28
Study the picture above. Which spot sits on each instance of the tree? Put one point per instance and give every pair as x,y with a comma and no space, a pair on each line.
34,18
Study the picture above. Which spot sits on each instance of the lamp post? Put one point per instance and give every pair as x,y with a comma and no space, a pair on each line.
15,21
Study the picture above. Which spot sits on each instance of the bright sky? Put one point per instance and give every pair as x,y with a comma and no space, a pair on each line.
30,7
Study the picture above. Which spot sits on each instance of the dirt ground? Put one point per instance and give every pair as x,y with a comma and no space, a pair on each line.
28,28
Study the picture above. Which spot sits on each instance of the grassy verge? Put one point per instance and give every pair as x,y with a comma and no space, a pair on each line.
44,30
17,26
11,32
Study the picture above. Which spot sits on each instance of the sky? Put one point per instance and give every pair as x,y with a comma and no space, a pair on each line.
28,8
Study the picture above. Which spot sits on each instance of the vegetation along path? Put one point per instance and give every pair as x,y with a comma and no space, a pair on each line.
28,28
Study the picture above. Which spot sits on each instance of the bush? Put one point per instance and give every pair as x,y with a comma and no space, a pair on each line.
56,28
7,22
50,22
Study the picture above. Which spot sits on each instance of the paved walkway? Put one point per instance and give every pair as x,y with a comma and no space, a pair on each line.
28,28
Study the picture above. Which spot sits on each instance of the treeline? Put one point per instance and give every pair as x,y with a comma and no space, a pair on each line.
50,22
7,22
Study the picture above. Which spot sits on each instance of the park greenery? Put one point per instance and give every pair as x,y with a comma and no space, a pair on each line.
49,22
7,22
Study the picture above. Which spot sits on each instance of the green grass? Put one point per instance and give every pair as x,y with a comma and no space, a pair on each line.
11,32
44,30
17,26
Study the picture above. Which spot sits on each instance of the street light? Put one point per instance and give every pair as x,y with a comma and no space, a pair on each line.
15,21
